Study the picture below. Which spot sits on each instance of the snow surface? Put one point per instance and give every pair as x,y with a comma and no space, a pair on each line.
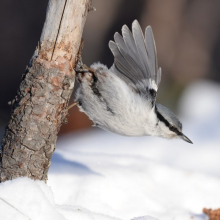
24,198
127,177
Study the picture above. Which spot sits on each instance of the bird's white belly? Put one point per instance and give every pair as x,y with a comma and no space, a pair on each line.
138,125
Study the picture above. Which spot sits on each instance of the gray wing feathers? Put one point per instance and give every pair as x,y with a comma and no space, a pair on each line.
135,69
151,50
135,55
127,80
129,40
121,63
141,47
130,43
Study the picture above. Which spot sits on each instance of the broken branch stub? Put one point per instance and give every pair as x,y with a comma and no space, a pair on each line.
40,106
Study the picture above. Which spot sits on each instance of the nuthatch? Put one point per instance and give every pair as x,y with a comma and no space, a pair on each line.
122,99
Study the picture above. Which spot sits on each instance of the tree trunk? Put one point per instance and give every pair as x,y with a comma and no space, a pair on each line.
40,106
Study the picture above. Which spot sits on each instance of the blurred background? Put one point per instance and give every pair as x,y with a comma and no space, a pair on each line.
187,34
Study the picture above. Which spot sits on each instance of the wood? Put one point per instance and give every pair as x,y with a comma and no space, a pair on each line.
40,106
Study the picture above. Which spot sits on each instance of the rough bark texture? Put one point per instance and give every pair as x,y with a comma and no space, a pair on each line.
40,106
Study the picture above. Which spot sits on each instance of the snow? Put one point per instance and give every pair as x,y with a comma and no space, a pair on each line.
22,193
144,178
24,198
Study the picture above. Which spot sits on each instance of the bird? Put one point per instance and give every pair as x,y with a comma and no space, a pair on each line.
122,99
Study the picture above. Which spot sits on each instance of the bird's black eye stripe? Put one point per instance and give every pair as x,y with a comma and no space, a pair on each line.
161,118
173,129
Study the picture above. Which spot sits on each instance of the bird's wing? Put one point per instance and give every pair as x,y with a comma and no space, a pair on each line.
136,60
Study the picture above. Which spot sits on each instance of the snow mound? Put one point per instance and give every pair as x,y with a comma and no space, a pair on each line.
24,198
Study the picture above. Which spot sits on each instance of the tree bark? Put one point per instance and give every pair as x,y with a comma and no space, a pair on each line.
40,106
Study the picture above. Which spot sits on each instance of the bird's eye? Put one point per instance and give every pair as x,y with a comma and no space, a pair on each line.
172,128
175,130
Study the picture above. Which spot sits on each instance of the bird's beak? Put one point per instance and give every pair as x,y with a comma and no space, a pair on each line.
186,139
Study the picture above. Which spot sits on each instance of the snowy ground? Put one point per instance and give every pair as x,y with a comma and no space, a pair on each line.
126,177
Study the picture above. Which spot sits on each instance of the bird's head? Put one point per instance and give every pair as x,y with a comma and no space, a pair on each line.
169,125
